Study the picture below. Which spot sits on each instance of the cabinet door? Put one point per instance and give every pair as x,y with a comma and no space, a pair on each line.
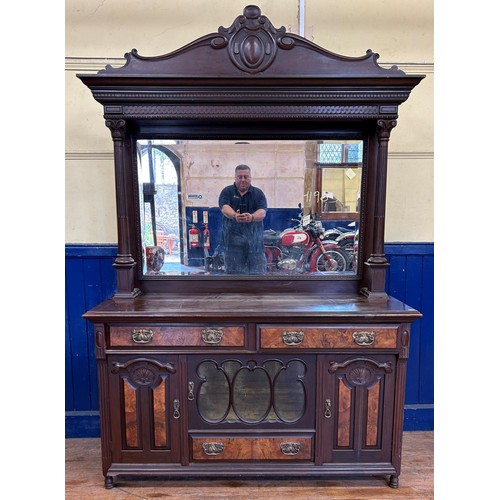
357,407
144,408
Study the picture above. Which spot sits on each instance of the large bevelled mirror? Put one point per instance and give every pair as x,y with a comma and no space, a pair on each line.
299,218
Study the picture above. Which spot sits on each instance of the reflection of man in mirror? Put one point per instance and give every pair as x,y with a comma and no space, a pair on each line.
244,208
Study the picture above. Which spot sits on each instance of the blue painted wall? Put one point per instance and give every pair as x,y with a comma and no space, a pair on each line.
411,280
90,278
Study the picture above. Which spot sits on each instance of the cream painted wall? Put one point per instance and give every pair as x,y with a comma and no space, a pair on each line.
99,33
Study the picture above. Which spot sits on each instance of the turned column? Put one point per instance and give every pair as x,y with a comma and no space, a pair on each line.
124,262
377,262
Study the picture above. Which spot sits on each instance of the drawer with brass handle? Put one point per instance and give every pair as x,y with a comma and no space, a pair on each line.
325,337
287,447
177,336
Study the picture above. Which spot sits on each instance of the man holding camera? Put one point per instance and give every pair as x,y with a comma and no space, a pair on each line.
244,208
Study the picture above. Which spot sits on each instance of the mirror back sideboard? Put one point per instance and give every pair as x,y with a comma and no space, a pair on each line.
212,374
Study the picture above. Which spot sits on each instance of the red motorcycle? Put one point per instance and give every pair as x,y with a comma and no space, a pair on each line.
302,249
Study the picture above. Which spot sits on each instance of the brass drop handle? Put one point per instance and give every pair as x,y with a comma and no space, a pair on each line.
212,448
212,335
328,408
292,338
364,338
177,405
142,335
290,448
190,391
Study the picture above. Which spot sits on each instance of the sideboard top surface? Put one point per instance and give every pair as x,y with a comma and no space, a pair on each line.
268,306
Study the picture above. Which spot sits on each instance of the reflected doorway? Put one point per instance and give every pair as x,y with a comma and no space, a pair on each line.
160,198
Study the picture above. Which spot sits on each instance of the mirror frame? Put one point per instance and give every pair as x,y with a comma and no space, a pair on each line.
252,81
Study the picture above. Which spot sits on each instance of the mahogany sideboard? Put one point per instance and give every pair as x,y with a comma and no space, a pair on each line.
290,373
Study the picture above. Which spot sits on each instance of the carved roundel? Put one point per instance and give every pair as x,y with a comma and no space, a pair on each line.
143,375
359,375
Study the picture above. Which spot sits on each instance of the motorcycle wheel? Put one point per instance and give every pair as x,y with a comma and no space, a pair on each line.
318,262
347,246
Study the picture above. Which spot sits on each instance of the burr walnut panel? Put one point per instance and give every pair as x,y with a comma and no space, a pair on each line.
177,336
286,447
324,337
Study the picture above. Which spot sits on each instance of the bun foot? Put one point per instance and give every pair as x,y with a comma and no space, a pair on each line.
394,482
108,482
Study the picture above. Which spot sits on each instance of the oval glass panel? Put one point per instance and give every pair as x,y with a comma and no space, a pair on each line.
213,394
289,392
251,395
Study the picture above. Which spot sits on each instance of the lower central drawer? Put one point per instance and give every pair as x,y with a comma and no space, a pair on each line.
285,447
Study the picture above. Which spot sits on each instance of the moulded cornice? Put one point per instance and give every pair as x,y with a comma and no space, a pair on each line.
83,64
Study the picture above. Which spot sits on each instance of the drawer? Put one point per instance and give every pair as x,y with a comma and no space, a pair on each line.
287,447
325,337
177,336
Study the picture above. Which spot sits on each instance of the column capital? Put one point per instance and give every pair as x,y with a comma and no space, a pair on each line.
117,128
384,128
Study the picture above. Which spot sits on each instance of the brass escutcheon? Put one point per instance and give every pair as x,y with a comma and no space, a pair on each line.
142,336
290,448
212,335
177,405
190,391
328,408
292,338
212,448
364,338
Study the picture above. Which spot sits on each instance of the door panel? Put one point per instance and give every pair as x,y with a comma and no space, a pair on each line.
357,408
145,408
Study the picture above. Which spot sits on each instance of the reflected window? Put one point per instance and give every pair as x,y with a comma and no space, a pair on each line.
339,165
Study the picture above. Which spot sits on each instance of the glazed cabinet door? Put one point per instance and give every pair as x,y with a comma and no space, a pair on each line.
145,408
357,406
247,391
245,408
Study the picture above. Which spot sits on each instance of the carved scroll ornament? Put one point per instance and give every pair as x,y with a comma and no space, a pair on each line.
252,41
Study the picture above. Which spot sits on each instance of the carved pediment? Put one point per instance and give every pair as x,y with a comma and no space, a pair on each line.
251,46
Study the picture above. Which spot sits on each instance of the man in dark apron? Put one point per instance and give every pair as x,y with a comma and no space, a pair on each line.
244,208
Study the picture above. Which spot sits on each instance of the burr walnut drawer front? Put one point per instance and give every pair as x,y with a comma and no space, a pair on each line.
214,448
325,337
177,336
